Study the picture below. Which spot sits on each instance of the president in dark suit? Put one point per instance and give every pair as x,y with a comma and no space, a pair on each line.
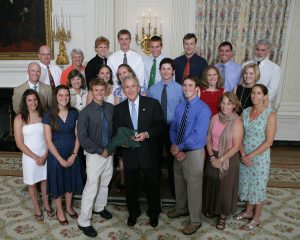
145,116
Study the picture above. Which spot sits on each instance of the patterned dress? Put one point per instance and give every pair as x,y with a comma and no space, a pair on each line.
253,180
59,179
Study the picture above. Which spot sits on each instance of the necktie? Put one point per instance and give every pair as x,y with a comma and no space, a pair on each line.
181,131
258,62
223,72
52,83
134,116
152,74
164,101
104,128
187,68
125,59
104,61
35,88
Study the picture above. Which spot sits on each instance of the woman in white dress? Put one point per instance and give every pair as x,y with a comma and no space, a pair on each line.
29,137
78,94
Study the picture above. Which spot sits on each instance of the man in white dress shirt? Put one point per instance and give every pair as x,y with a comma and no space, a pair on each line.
45,63
269,71
152,72
127,56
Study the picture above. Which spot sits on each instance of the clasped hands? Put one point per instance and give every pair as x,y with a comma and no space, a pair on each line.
246,159
179,155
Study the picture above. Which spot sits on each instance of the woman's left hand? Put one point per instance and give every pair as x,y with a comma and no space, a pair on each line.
71,159
247,160
216,162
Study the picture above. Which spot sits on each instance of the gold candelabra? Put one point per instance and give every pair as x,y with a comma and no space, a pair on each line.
62,34
143,36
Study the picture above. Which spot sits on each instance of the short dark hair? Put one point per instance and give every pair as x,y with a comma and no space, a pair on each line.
189,36
167,61
193,78
96,82
75,73
262,87
156,39
226,44
124,32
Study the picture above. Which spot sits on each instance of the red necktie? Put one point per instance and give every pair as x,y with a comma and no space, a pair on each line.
52,83
187,68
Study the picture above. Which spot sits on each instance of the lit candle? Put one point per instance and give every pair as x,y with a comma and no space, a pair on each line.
149,10
143,20
137,27
69,23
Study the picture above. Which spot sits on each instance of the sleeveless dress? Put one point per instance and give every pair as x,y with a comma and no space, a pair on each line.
61,180
220,196
244,95
212,99
35,141
253,180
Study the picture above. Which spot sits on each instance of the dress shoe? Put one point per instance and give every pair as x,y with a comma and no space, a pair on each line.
104,214
88,231
191,228
131,221
153,221
176,214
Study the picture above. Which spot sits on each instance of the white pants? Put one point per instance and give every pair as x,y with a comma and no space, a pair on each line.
99,171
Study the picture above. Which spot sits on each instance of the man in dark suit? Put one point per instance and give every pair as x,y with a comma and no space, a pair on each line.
44,90
145,116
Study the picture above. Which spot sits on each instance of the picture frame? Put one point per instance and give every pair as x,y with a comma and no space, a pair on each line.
26,25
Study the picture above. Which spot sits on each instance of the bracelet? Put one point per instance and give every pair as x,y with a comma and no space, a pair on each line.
210,156
59,157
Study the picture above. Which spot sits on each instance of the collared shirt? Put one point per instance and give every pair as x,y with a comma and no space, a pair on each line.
196,126
90,128
55,72
148,62
197,63
78,100
137,103
134,60
32,86
174,96
232,74
269,76
93,66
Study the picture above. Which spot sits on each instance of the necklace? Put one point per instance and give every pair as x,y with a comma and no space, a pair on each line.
243,105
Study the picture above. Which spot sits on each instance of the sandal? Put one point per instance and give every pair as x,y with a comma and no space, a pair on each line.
221,223
251,225
74,215
39,217
49,212
242,216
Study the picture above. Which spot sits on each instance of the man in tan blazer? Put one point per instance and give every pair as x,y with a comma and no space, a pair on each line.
44,90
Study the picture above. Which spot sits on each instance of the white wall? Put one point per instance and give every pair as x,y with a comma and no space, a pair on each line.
92,18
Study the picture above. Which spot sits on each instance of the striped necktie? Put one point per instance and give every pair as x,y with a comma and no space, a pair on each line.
52,83
187,68
182,127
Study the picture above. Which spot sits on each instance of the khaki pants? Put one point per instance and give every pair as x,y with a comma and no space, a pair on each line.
99,172
188,176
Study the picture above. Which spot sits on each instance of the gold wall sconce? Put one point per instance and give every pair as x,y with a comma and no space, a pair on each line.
148,29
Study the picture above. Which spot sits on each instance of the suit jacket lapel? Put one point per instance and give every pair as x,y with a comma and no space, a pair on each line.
127,113
142,109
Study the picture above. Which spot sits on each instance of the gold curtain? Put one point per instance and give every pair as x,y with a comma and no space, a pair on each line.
243,23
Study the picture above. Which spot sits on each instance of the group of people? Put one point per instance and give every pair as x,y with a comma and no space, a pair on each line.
212,124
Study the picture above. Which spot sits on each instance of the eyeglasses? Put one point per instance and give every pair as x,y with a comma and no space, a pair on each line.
45,54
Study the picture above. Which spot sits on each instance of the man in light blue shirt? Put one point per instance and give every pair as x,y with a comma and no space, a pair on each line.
188,134
230,71
169,94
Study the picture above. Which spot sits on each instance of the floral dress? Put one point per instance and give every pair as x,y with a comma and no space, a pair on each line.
253,180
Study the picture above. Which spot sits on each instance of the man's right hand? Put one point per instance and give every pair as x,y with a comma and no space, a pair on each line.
105,153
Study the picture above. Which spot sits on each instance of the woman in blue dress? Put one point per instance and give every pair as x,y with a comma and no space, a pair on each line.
259,132
63,165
